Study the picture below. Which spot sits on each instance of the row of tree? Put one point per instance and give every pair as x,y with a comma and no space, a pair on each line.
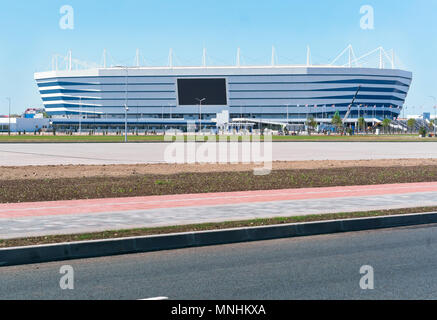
337,122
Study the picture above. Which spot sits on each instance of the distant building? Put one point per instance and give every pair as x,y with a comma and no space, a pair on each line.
24,124
31,113
424,116
161,98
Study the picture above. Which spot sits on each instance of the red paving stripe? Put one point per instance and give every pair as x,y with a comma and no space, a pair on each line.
48,208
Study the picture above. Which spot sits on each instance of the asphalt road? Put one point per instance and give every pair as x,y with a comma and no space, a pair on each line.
119,153
404,261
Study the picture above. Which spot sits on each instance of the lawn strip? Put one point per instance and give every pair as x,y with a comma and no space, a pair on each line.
160,138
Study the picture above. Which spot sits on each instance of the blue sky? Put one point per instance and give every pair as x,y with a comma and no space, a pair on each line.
30,35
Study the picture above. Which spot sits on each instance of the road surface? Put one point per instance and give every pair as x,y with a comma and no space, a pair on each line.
134,153
76,216
404,263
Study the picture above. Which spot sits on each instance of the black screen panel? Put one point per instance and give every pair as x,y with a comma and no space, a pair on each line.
213,90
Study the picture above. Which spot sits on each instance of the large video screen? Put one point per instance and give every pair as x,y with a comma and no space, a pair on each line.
213,90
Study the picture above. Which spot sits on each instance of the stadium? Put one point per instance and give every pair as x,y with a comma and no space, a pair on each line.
156,99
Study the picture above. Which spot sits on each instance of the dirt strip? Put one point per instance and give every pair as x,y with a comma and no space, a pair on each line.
97,187
87,171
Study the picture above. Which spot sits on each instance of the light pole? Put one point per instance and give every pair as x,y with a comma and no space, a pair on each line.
435,119
171,110
287,114
200,110
9,116
126,109
80,115
358,120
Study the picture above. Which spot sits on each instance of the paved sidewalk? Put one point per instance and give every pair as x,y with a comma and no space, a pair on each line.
61,217
24,154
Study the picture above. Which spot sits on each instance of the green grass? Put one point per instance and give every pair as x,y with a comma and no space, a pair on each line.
84,138
369,137
111,234
29,138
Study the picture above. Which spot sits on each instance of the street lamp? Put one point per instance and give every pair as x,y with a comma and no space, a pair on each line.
435,119
200,109
358,119
126,109
9,117
80,115
287,114
171,111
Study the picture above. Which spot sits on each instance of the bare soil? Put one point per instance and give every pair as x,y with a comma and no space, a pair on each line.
88,171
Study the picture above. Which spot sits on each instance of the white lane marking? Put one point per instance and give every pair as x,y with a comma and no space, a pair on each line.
155,298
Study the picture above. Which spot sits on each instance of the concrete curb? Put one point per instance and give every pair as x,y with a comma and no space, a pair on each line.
99,248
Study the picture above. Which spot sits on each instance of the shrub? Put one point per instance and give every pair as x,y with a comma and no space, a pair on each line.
423,132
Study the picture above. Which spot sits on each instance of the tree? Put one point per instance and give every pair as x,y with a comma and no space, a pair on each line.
386,123
434,125
286,131
361,124
411,123
337,121
311,124
423,132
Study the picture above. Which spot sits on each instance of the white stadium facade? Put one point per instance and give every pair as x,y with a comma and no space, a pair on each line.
163,98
